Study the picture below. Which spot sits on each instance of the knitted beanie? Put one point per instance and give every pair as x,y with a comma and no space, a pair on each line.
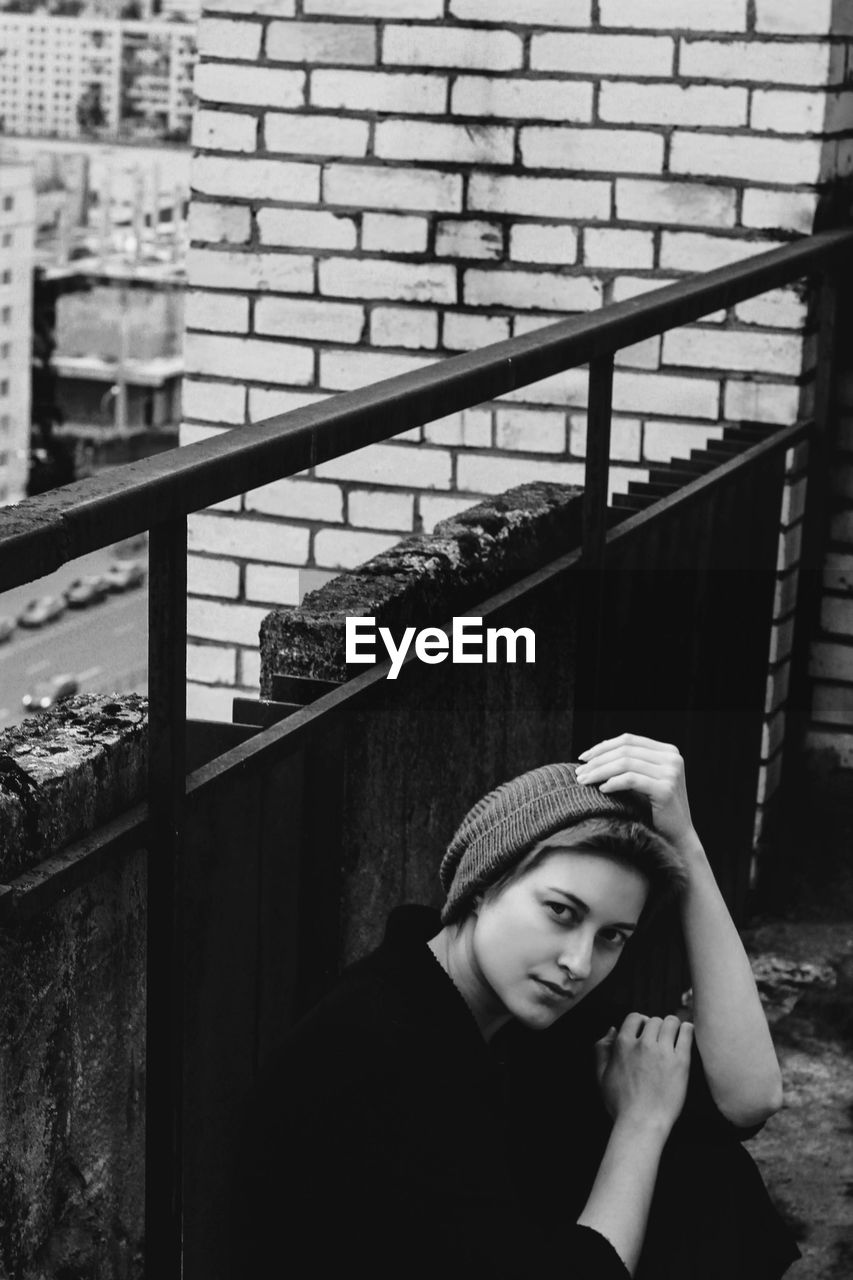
510,820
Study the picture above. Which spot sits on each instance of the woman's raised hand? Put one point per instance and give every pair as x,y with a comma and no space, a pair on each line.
643,1069
654,770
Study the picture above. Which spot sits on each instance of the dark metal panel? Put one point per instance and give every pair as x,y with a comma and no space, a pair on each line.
167,630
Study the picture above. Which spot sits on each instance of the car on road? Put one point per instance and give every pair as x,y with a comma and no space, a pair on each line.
47,693
7,626
85,591
41,610
123,574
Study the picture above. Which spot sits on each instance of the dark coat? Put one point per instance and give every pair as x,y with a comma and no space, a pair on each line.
391,1140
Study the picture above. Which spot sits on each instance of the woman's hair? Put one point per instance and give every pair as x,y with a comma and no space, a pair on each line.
621,839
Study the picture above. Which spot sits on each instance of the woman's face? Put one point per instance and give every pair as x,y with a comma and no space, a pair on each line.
550,937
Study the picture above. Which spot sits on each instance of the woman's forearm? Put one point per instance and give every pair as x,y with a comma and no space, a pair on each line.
618,1205
731,1029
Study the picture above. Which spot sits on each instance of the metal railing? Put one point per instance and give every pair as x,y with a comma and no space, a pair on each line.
157,494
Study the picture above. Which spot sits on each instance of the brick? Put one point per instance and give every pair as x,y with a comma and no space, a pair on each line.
408,93
613,247
471,428
452,46
403,327
545,13
211,664
789,17
571,387
306,228
266,402
265,8
277,272
788,111
468,239
213,401
793,502
757,159
378,510
733,350
833,704
371,187
256,179
640,393
641,355
248,86
621,100
547,147
831,661
722,15
247,539
530,430
222,312
248,358
219,223
752,401
249,666
539,289
624,438
757,61
693,251
341,43
542,242
397,465
387,278
434,509
665,440
225,38
298,500
780,210
224,131
781,308
478,473
376,8
189,433
447,143
234,623
836,616
461,332
297,133
513,99
681,203
346,370
540,197
273,584
309,319
347,550
394,232
603,55
829,744
212,576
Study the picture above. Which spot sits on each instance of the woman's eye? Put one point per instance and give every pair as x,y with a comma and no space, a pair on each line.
613,937
561,910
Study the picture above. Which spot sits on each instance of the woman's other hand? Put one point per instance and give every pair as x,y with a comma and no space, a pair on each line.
643,1068
654,770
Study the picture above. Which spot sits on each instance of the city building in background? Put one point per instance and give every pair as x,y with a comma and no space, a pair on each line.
95,77
17,232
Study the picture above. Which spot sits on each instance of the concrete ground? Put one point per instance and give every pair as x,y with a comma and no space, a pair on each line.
802,953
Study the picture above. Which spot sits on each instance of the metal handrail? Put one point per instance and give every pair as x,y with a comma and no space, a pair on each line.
42,533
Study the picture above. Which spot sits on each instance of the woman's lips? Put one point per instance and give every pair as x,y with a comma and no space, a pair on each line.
558,992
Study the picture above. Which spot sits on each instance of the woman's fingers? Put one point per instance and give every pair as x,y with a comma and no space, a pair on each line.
669,1030
625,740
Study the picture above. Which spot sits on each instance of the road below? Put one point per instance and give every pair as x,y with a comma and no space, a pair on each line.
105,646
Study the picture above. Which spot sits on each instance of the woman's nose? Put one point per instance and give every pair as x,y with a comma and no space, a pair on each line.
576,956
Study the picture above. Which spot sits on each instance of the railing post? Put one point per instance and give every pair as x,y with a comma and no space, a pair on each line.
594,532
167,623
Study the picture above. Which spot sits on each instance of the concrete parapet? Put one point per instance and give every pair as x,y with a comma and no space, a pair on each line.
425,578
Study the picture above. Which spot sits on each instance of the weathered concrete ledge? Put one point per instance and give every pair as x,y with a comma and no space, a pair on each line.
72,1003
66,772
424,579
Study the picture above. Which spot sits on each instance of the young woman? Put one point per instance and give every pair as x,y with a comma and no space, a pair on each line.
452,1106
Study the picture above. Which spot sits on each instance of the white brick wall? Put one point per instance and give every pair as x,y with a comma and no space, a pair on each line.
379,183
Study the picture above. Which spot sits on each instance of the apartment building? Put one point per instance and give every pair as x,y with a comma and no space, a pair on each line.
17,235
61,77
